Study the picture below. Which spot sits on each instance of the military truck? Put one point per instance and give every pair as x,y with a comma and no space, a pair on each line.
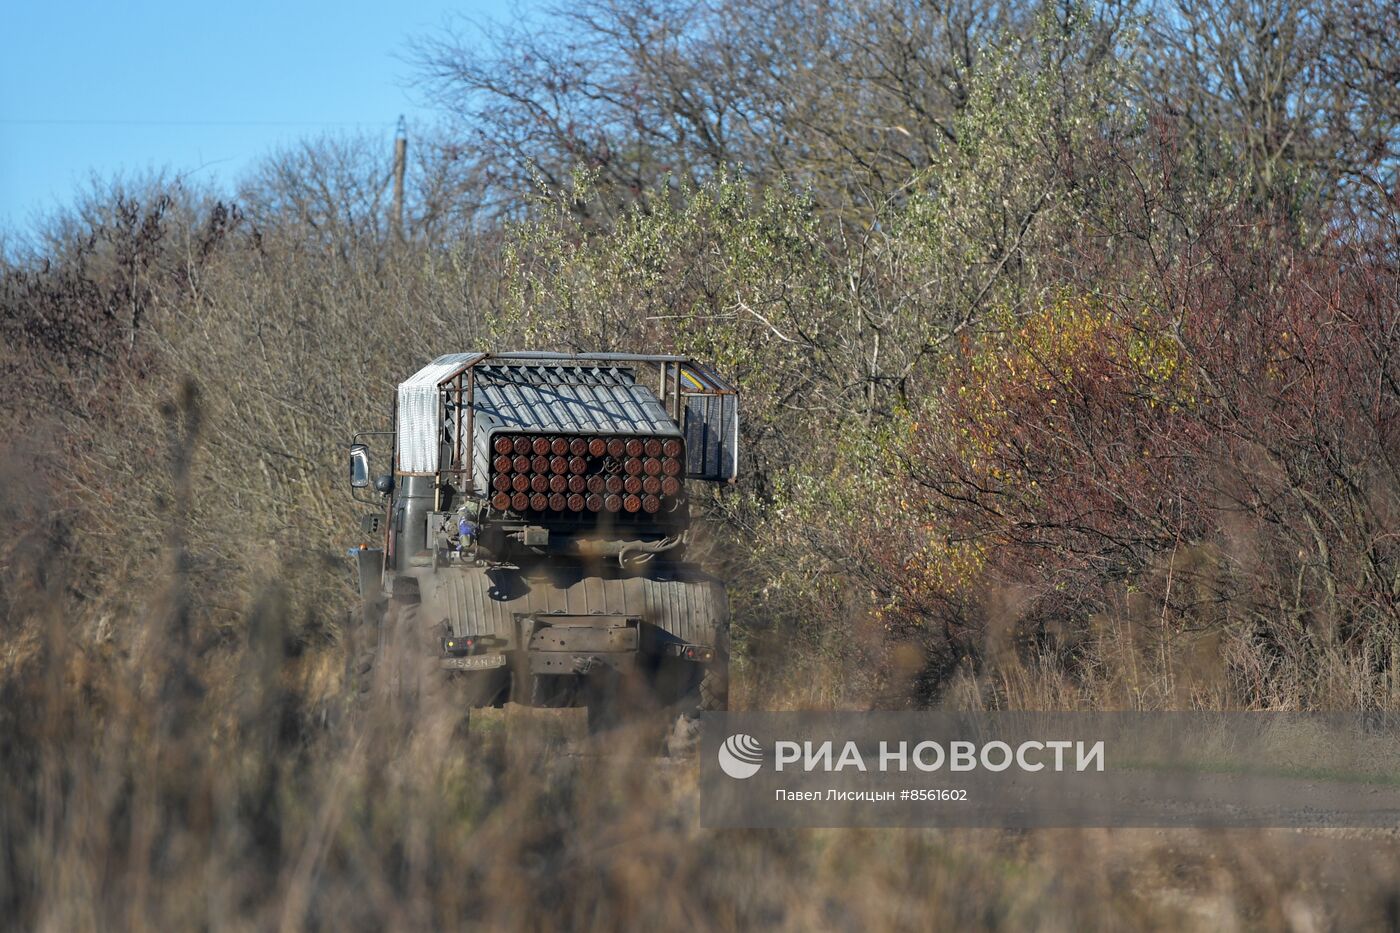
529,540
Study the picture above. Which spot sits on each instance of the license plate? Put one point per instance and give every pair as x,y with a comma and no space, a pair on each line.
477,662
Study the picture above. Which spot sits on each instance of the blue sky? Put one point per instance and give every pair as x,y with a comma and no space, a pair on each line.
194,87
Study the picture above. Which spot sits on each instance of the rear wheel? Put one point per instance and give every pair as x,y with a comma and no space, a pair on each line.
599,693
390,658
714,687
616,698
711,695
367,646
554,690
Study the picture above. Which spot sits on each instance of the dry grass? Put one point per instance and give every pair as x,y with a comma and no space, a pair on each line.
158,781
162,773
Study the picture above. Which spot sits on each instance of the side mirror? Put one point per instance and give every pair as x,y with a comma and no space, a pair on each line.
359,466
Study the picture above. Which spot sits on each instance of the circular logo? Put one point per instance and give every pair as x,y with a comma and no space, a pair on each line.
740,756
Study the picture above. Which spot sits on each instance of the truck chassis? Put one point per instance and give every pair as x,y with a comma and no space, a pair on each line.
533,531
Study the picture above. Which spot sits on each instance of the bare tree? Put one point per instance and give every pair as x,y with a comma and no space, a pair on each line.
846,99
1300,94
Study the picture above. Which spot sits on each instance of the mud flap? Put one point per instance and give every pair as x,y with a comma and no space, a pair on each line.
370,570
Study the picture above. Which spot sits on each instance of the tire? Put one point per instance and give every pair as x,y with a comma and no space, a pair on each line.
709,695
601,702
363,669
714,688
553,690
365,646
385,657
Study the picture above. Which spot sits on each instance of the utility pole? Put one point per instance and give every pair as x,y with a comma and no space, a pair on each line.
400,164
